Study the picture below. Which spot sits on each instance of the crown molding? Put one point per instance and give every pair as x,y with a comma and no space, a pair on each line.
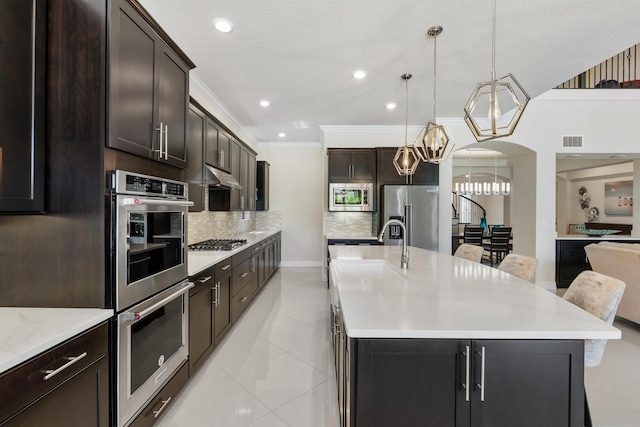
289,144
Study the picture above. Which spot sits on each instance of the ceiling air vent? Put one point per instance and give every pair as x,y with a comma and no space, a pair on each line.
572,142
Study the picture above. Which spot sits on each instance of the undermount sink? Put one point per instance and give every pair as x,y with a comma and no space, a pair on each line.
358,270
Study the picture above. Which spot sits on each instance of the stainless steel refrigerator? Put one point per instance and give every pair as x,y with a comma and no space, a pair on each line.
417,207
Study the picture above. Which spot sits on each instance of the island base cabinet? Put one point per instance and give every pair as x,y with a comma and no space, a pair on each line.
479,383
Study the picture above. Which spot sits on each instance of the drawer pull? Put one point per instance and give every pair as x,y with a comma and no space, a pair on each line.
226,267
204,279
243,275
156,414
244,299
53,372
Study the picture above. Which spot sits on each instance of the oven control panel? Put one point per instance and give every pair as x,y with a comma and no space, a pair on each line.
123,182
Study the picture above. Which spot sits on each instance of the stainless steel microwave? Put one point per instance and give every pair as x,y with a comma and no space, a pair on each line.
352,197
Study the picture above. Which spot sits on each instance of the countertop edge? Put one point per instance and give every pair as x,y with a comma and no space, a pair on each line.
80,320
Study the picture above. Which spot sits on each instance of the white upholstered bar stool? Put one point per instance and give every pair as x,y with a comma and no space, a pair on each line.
599,295
470,252
520,266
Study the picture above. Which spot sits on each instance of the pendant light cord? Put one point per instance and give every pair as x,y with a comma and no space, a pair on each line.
406,106
434,78
493,43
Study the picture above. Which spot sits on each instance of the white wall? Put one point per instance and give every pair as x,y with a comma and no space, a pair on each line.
297,190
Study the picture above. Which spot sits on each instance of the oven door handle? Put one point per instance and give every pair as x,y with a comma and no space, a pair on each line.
142,314
162,202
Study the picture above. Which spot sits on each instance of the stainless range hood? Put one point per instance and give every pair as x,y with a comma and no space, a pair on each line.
220,179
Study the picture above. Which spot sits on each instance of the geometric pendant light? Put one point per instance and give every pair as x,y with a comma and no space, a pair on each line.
495,107
406,160
437,142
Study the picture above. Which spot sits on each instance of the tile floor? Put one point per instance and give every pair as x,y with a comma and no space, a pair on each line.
274,367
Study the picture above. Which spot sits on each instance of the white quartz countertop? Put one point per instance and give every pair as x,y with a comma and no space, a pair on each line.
351,236
441,296
201,260
26,332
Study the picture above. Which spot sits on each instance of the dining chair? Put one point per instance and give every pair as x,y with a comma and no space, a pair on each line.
472,235
499,244
470,252
599,295
520,266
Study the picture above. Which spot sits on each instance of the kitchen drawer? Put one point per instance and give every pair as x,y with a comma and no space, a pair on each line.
162,400
29,377
240,257
204,278
240,302
241,276
223,267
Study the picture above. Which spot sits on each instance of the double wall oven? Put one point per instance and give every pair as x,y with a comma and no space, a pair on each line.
148,253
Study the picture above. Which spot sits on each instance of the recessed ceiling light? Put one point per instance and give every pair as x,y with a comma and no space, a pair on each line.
223,25
391,106
281,134
264,103
359,74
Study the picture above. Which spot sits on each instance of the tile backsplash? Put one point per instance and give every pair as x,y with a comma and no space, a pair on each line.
223,225
351,223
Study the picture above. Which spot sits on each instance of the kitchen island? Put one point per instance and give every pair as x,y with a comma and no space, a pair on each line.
452,342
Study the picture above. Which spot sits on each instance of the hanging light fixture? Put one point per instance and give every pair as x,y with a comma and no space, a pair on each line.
436,139
487,97
406,160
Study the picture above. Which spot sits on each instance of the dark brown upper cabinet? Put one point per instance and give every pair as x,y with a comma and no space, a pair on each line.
218,147
426,173
352,165
22,105
149,90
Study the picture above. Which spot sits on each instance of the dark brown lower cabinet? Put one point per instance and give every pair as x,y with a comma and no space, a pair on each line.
67,385
209,314
479,383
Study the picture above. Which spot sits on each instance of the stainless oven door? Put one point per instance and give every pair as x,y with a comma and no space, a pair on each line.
152,344
150,246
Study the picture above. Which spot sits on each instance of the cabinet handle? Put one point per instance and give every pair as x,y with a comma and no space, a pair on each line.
71,360
481,385
215,294
218,294
166,142
156,414
204,279
221,157
467,373
226,267
160,130
243,275
244,299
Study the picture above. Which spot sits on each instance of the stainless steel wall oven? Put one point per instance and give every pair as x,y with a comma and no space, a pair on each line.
148,248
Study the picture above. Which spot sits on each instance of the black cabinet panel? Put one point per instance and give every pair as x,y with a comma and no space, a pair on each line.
442,382
173,104
22,104
407,382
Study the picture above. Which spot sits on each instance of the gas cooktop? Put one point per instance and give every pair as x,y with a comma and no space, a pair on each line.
217,245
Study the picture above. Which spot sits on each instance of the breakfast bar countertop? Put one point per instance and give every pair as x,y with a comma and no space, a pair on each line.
441,296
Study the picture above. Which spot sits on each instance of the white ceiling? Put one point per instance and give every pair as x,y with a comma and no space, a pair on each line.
299,54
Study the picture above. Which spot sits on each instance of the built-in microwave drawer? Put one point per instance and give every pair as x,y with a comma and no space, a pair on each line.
36,377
